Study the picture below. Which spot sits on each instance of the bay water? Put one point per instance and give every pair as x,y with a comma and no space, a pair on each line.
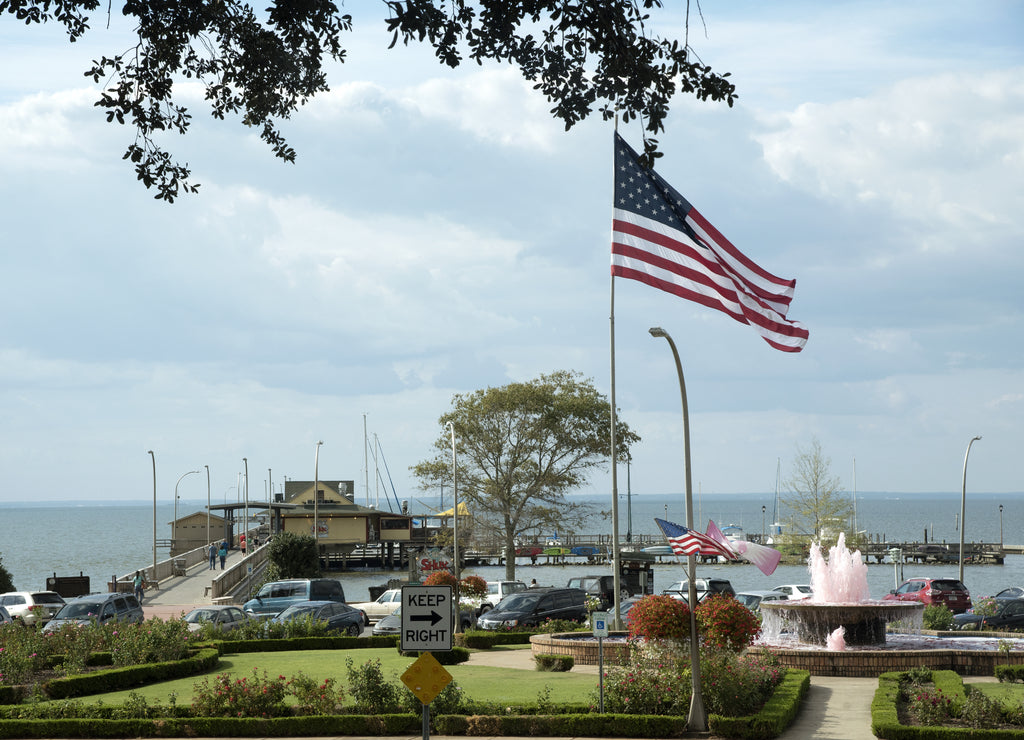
101,540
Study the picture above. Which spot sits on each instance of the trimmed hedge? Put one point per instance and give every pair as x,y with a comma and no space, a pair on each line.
445,657
777,714
484,640
554,663
304,643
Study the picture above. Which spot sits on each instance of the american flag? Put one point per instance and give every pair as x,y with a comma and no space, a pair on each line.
660,239
686,541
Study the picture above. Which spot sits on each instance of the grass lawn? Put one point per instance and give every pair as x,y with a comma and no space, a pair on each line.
481,683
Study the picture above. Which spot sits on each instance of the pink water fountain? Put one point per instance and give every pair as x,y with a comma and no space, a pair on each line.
840,612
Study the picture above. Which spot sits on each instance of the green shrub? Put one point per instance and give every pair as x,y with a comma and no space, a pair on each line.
369,690
659,618
937,617
726,624
554,663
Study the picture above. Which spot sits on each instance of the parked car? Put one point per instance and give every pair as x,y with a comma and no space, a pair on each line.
496,591
338,616
392,623
222,616
5,617
1013,592
949,592
795,592
382,606
603,587
276,596
535,605
705,586
97,608
753,599
32,608
1009,616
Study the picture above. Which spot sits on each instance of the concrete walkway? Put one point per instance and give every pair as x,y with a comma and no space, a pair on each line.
179,594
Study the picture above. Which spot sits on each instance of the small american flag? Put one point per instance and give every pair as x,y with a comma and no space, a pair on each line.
660,239
686,541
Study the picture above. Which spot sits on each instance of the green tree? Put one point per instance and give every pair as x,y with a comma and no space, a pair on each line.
292,556
6,582
262,64
816,503
520,448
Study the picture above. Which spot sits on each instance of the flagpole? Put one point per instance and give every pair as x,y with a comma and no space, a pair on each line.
616,570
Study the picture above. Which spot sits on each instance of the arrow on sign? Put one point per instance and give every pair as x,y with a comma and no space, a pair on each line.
433,618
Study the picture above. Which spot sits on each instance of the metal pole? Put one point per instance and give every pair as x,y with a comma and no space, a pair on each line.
963,505
208,540
245,518
174,527
1000,525
697,720
154,513
455,530
316,497
616,622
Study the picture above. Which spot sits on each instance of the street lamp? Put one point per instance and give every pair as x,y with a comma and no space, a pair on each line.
763,509
208,540
174,530
455,530
963,505
154,513
697,720
1000,526
316,497
245,520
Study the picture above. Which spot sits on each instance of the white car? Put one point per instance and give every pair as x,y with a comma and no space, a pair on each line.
32,608
496,591
795,592
384,605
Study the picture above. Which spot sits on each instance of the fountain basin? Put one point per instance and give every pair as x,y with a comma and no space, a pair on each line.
812,622
583,647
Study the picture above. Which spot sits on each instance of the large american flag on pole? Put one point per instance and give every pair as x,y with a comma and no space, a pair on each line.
660,239
685,541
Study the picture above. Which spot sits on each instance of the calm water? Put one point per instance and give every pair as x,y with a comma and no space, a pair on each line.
100,541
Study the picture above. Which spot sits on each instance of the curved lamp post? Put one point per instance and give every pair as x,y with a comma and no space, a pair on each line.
697,719
174,531
208,540
963,505
455,531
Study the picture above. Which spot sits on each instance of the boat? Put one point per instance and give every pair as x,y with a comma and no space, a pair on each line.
734,532
659,550
586,551
529,552
556,551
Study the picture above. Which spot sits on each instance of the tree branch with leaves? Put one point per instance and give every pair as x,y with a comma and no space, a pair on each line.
262,66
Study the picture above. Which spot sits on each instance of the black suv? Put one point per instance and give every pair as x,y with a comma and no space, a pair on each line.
532,607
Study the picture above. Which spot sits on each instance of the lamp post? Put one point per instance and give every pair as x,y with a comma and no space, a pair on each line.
316,498
154,514
963,505
208,540
763,509
1000,526
697,719
245,516
455,530
174,531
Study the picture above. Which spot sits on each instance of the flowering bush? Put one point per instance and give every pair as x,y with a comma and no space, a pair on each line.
441,578
659,618
371,693
736,685
472,586
315,698
240,697
725,623
929,706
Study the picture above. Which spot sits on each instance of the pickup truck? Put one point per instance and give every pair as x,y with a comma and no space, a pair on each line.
496,591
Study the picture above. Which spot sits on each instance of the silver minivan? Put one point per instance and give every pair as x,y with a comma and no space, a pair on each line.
99,608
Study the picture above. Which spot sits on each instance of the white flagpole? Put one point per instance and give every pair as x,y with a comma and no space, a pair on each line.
616,569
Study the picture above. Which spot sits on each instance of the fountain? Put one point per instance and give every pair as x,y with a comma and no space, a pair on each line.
841,631
840,611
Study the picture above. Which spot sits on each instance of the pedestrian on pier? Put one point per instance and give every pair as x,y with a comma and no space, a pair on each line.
213,556
223,553
137,583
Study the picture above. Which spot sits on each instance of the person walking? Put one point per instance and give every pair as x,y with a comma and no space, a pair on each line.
213,556
223,553
138,585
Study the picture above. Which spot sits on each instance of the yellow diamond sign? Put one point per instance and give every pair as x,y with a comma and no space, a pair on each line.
426,678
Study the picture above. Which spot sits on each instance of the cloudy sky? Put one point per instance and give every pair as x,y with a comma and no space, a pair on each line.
440,233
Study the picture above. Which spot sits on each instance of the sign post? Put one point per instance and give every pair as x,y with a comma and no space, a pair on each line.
426,627
600,627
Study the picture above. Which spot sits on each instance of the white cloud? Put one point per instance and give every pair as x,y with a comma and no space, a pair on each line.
938,152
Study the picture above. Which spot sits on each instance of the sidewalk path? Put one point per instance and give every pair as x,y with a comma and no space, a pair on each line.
183,593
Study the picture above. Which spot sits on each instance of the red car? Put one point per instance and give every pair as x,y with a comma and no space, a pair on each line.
949,592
